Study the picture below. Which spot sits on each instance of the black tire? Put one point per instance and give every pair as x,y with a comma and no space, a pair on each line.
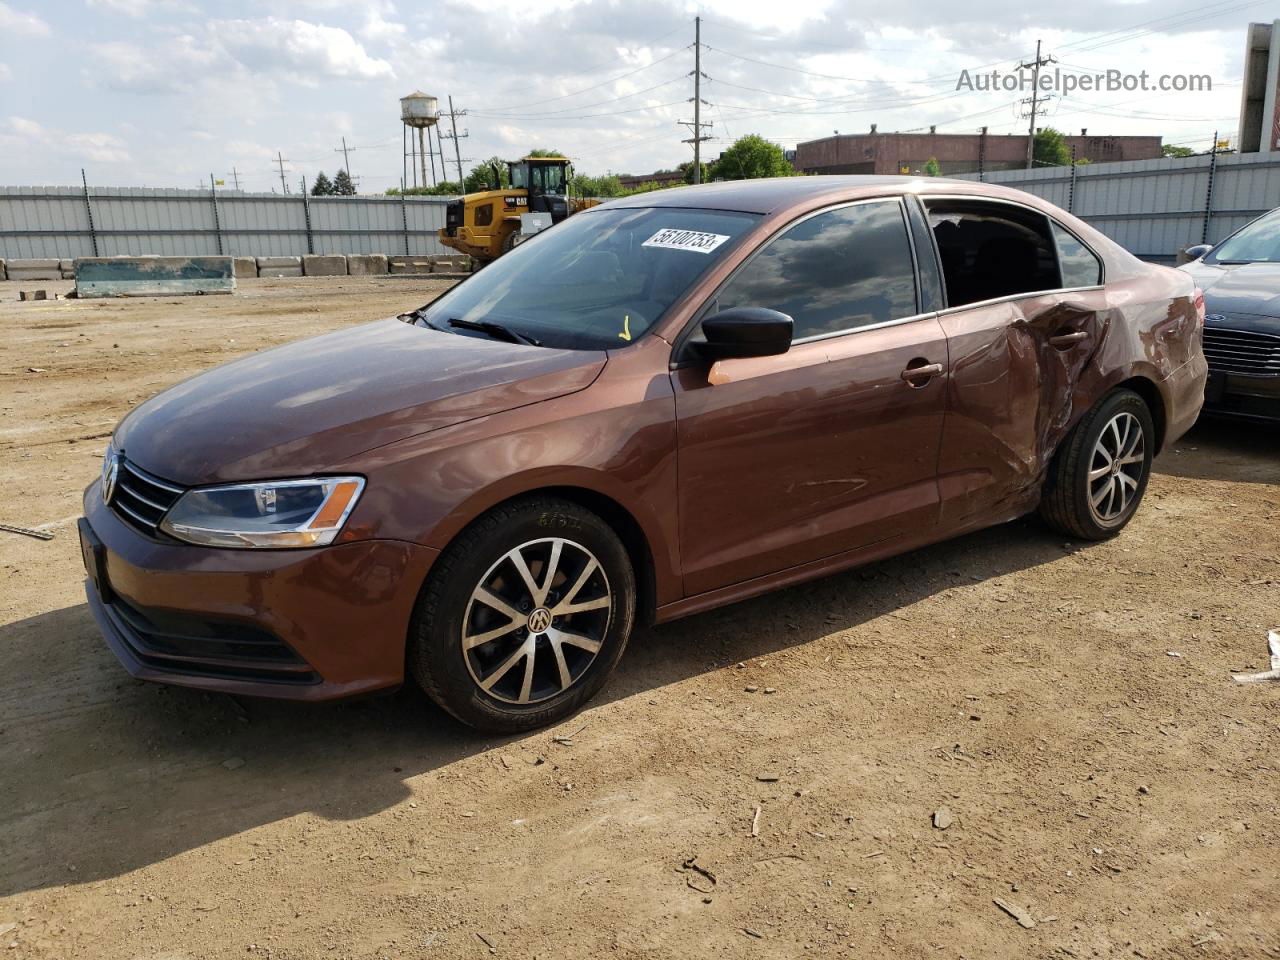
481,557
1065,502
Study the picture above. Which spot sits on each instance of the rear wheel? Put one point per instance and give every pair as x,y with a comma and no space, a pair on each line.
1100,473
524,617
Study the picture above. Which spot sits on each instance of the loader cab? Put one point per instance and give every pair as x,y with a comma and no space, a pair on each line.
547,181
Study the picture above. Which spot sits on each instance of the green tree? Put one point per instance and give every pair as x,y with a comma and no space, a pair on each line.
323,187
342,184
543,152
932,169
1169,150
1050,149
481,177
687,169
606,186
445,188
750,158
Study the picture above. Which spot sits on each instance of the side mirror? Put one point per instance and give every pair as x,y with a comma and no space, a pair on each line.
745,332
1197,251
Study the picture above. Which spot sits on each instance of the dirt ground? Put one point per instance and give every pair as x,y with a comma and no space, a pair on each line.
1067,707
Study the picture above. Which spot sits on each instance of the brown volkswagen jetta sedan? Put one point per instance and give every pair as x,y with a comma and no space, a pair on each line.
664,404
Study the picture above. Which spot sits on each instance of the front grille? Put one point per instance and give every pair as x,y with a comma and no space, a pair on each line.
1242,352
142,500
182,643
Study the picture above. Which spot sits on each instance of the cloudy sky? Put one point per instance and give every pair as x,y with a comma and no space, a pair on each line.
165,92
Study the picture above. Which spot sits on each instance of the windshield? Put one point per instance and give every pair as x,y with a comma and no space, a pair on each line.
548,178
598,280
1259,242
518,173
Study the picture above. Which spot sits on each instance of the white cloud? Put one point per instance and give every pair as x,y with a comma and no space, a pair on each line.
378,29
5,72
136,8
17,22
307,51
98,147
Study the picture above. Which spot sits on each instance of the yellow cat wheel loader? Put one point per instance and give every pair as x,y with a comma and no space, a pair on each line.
486,225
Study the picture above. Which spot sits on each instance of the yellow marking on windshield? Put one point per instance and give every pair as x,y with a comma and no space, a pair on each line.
626,328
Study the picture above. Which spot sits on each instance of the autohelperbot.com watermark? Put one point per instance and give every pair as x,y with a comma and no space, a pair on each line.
1065,82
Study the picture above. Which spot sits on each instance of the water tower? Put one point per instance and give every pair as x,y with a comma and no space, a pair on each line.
422,111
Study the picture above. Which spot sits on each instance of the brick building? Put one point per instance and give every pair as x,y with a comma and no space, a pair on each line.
890,153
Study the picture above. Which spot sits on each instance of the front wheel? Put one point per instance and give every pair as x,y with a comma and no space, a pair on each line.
1100,473
524,616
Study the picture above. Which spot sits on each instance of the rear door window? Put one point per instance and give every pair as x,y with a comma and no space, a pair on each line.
992,250
1080,265
838,270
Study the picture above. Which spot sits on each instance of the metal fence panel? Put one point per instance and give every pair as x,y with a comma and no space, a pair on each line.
1153,208
137,221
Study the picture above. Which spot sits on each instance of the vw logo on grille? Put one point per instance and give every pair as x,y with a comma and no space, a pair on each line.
539,620
1214,317
110,473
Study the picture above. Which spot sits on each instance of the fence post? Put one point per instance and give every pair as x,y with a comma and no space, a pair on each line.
1071,190
217,223
404,220
306,216
93,234
1208,194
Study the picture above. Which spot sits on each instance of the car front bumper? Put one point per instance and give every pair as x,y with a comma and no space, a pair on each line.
315,624
1236,395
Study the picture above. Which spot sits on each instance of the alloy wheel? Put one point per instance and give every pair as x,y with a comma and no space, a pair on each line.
1115,468
536,620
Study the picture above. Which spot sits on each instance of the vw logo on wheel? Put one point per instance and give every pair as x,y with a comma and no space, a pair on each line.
539,620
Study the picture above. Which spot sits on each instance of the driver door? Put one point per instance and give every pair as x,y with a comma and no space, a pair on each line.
833,445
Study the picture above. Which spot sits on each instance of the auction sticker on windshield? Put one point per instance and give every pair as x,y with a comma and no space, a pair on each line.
669,238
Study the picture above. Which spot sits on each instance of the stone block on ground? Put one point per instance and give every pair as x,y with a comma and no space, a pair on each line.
324,265
279,266
68,269
39,269
245,268
152,276
366,264
3,274
419,264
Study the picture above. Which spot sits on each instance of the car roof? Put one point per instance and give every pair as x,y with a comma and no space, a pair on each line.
779,193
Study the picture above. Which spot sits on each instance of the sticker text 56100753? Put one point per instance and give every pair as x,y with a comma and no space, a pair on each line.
669,238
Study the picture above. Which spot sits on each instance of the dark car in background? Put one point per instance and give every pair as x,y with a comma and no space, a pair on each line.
1240,278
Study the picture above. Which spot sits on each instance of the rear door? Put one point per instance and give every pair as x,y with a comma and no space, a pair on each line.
828,447
1026,311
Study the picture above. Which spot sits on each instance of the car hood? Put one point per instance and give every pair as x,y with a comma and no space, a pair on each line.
298,409
1252,288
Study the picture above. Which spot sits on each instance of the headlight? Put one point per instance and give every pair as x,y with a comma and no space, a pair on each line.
273,514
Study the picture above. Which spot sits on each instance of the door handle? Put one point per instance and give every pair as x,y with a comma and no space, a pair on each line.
922,372
1068,339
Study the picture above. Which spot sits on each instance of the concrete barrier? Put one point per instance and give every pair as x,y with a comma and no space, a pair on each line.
245,268
152,276
414,265
324,265
279,266
68,268
366,264
3,274
34,269
450,264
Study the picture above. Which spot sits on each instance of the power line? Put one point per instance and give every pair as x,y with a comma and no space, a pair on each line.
594,86
552,114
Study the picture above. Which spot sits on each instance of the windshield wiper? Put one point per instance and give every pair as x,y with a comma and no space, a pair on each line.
496,330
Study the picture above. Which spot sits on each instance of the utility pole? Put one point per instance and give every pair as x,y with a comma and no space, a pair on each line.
457,152
1035,66
346,161
284,185
697,125
235,177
